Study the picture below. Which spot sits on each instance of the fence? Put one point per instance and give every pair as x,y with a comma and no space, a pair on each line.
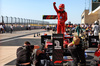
21,21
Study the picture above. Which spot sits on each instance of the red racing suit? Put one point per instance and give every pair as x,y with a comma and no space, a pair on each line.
62,17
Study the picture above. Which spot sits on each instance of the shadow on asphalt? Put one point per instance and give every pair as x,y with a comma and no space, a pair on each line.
20,42
89,57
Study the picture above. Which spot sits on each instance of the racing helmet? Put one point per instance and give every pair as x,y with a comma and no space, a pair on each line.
61,6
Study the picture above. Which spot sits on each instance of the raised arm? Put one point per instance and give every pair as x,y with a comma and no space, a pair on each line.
55,6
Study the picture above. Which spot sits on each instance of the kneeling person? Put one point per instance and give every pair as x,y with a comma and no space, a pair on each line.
24,54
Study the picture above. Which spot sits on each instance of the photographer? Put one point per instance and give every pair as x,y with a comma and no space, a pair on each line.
24,54
43,59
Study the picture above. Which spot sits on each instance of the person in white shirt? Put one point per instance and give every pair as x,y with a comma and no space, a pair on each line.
96,28
1,27
47,27
11,28
29,27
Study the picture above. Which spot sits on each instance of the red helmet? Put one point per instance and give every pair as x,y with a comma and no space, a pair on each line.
61,6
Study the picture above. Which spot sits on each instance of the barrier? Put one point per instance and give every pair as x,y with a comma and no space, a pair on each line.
34,34
37,34
58,49
93,41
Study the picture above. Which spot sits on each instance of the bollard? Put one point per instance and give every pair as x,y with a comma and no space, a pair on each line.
34,34
37,34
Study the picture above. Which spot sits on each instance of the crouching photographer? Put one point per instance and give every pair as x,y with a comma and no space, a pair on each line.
24,54
42,59
77,52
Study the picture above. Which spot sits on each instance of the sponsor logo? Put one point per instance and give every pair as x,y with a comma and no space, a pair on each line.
60,17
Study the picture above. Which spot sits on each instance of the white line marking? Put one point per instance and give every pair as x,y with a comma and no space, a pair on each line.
8,40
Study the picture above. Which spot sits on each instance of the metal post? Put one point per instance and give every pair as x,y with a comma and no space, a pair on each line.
7,20
24,22
27,22
19,21
2,20
43,23
31,23
15,20
11,20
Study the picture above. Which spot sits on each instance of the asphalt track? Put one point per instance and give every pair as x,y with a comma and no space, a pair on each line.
17,41
3,41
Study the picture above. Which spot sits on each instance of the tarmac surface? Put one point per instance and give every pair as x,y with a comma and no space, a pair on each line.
10,42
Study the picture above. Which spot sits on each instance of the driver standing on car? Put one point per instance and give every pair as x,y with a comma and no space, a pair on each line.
62,18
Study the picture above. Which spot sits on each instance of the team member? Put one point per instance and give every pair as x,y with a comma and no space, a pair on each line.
11,28
62,17
77,52
24,54
78,28
96,28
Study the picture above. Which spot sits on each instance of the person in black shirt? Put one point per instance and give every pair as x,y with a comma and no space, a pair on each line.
43,59
77,52
24,54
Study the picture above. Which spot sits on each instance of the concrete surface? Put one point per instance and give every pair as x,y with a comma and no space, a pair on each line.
9,44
